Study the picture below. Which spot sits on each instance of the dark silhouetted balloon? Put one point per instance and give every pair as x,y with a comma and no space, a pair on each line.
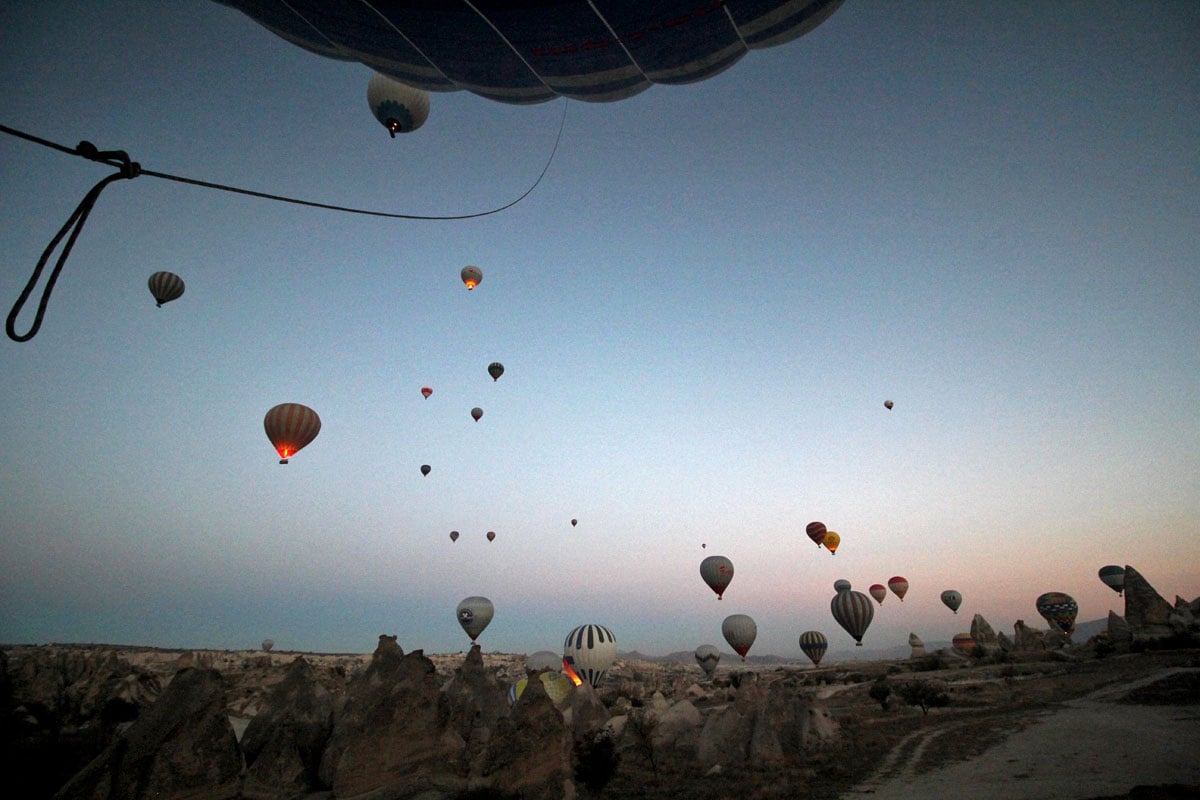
717,572
165,286
426,391
425,468
814,644
952,599
740,631
888,404
1114,578
495,369
476,413
491,536
574,522
816,531
454,536
854,612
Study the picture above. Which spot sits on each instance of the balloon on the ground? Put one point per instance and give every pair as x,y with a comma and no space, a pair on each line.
425,468
291,426
1059,610
399,107
708,657
853,611
557,685
476,413
740,631
523,52
963,642
495,369
165,286
878,591
899,586
717,572
454,536
426,391
543,660
952,599
1114,578
831,541
471,276
816,531
842,585
814,644
474,614
588,652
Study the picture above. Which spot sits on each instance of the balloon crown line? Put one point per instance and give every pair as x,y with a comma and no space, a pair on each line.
128,169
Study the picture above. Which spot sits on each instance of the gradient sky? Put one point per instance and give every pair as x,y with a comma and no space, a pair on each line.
988,213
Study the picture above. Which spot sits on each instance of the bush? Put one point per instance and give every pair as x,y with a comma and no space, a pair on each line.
596,762
926,694
881,692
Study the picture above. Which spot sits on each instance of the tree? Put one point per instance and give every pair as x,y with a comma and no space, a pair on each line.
881,692
926,694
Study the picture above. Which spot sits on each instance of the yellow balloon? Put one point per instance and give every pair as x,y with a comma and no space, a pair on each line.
557,685
831,541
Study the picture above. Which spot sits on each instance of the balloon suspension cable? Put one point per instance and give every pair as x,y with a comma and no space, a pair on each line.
131,169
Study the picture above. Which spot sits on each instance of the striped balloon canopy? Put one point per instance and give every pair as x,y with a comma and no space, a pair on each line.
290,427
854,612
1059,610
1114,578
588,652
165,286
814,644
899,586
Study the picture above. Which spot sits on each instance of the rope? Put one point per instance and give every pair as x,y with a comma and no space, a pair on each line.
127,169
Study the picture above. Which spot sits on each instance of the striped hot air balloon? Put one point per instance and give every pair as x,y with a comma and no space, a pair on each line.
814,644
854,612
291,426
708,657
1059,610
878,591
588,652
165,286
816,531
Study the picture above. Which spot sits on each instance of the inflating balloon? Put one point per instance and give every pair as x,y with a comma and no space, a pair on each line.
740,631
525,52
708,657
878,591
816,531
476,413
291,426
717,572
165,286
474,614
399,107
495,369
426,391
588,652
853,611
814,644
543,660
963,642
952,599
557,685
831,542
491,536
454,536
1114,578
471,276
425,468
1059,610
841,585
899,586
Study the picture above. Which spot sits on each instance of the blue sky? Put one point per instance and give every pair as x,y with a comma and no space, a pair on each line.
986,213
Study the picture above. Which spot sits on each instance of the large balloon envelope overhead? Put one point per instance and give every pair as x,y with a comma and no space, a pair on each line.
399,107
717,572
474,614
708,657
1059,610
588,652
854,612
520,52
831,541
878,591
740,631
816,531
471,276
1114,578
495,369
165,286
952,599
899,586
291,426
814,644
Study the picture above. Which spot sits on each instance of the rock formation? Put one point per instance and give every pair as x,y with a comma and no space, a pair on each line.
918,646
983,634
529,753
1147,613
1119,632
1026,638
477,700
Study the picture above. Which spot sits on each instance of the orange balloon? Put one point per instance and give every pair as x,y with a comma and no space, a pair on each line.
831,541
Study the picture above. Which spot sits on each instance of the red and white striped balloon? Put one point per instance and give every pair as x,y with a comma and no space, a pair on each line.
291,426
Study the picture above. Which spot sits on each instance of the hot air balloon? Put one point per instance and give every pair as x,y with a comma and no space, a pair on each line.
471,276
491,536
831,542
165,286
717,572
888,404
399,107
557,686
814,644
963,642
495,369
878,591
841,585
524,53
1059,610
291,426
454,536
1113,577
476,413
588,652
426,391
425,468
899,586
574,522
853,611
740,631
474,614
708,657
816,531
952,599
543,660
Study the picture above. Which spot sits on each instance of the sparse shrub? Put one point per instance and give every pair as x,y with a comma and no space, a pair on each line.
926,694
596,761
642,723
881,692
1104,646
